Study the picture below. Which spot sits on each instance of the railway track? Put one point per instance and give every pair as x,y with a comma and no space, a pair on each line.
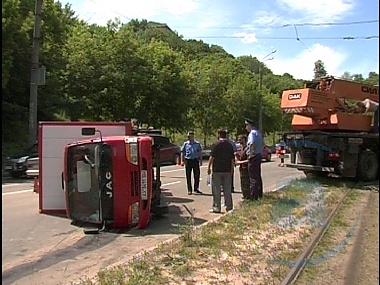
306,255
300,264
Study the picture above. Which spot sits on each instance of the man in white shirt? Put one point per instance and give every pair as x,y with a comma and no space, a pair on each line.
368,106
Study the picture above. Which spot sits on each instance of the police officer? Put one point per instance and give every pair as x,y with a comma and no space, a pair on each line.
235,150
255,144
191,157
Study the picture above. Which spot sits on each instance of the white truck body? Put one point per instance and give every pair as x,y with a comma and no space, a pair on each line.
52,139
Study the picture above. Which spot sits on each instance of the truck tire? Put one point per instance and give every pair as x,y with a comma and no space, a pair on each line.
368,166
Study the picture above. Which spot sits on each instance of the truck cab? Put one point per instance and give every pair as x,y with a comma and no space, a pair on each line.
110,181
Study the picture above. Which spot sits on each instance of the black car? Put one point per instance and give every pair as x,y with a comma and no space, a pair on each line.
16,166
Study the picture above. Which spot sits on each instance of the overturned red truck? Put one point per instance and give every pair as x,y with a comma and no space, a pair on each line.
105,172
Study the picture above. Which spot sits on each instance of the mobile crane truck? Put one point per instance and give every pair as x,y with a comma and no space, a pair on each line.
329,134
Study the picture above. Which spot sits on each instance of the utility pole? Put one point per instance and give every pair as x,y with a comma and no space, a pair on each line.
261,98
260,88
34,73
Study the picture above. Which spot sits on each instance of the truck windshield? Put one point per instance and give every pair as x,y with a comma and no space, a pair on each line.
83,183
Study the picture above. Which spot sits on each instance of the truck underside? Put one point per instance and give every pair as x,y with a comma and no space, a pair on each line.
347,154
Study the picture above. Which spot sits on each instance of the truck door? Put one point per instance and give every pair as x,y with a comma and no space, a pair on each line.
82,187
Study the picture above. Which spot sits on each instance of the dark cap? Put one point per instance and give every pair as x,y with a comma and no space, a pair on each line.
189,133
249,121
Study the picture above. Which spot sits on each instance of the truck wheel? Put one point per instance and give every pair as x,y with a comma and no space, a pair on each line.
367,169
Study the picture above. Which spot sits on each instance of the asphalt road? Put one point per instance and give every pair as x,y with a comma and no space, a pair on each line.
43,249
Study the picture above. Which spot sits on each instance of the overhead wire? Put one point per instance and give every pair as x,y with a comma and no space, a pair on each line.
298,39
287,25
284,26
291,38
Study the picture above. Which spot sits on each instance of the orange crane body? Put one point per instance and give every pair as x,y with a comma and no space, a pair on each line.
321,105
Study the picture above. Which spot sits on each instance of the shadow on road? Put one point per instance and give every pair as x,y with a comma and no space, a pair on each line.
170,223
85,244
179,215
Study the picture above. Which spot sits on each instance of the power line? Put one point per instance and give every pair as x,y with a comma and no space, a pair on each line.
334,23
298,39
111,10
290,38
286,25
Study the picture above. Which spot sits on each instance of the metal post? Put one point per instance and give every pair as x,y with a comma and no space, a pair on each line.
260,99
265,58
34,74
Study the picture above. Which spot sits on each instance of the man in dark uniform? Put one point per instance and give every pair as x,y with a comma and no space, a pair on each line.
242,161
191,157
255,144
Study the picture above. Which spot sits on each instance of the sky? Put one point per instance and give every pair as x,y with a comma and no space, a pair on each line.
296,33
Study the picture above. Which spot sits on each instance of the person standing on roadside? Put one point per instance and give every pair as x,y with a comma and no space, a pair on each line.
235,150
220,166
191,157
255,144
242,161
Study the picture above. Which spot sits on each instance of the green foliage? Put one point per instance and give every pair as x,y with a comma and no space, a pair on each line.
140,69
319,69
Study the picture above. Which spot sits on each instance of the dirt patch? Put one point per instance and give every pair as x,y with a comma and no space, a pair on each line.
254,245
349,251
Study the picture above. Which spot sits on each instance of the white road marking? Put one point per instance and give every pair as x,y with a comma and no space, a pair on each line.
179,169
17,192
13,185
30,190
171,183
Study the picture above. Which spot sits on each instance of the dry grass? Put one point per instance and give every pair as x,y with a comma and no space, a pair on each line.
246,246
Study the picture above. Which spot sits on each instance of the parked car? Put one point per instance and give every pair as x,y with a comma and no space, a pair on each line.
282,144
206,152
266,153
16,166
272,149
32,167
169,152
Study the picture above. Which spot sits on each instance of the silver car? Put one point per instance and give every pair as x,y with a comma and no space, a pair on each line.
32,167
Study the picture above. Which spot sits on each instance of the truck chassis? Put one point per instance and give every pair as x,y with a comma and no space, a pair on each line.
318,153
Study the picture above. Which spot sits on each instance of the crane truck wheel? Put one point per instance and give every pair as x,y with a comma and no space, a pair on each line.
368,166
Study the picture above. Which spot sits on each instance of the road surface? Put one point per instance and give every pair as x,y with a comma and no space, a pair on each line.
43,249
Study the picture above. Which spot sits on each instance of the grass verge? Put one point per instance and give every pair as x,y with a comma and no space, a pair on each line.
331,252
255,244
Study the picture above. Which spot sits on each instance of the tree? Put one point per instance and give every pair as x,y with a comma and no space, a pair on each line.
319,69
373,78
